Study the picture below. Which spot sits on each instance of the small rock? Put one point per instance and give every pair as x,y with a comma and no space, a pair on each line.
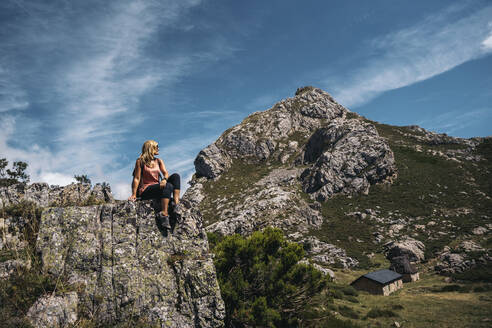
54,311
479,231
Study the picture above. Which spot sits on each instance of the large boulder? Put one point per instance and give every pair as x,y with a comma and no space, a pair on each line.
124,266
412,248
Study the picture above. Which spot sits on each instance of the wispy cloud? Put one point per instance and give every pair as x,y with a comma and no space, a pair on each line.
91,65
430,47
454,121
12,97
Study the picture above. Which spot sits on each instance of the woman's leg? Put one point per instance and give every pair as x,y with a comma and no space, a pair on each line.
164,194
175,179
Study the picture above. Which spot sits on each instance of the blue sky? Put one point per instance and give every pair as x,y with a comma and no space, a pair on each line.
84,83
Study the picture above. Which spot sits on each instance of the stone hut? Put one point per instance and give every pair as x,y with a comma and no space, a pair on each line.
402,265
381,282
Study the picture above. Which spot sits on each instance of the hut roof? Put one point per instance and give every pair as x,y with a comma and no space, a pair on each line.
383,276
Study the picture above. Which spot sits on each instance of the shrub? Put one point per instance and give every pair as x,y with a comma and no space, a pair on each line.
12,176
261,282
82,179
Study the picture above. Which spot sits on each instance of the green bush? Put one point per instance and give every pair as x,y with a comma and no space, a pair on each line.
18,173
261,282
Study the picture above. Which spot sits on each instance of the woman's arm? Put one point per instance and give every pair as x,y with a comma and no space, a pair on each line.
136,180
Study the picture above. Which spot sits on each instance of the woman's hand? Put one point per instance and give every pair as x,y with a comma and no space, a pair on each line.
163,183
132,198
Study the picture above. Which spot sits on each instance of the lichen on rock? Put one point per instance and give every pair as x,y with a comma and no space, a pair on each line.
126,267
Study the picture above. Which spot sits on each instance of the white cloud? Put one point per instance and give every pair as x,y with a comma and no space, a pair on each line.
431,47
487,43
54,178
121,190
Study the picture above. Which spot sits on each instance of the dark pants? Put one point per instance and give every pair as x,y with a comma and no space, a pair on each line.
155,191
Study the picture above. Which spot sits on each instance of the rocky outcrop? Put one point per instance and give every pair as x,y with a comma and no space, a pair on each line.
31,199
461,258
44,195
408,246
11,266
348,156
124,266
310,148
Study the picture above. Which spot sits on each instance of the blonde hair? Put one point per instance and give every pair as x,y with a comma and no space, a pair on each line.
149,149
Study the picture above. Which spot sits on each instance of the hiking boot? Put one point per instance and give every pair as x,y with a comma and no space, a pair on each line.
164,220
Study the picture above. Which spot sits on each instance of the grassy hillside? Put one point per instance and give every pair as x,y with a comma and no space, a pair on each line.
428,188
436,199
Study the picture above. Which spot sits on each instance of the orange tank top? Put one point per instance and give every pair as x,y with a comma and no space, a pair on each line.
150,176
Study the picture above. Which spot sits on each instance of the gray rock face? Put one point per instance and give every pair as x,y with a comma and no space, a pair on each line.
410,247
44,195
126,267
327,254
459,260
274,203
11,233
265,135
348,157
54,311
344,155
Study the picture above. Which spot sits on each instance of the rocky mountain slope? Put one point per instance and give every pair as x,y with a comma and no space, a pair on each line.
347,187
109,262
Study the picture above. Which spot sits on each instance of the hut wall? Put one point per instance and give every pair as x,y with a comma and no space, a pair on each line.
369,286
394,286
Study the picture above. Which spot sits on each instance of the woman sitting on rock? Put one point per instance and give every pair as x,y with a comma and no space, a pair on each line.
146,181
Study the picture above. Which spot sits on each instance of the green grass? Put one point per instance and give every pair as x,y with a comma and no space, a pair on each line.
425,185
428,302
232,187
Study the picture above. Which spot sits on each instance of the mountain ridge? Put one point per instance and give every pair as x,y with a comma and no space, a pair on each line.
290,166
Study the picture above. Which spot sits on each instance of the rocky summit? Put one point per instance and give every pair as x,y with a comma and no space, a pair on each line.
344,186
309,144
